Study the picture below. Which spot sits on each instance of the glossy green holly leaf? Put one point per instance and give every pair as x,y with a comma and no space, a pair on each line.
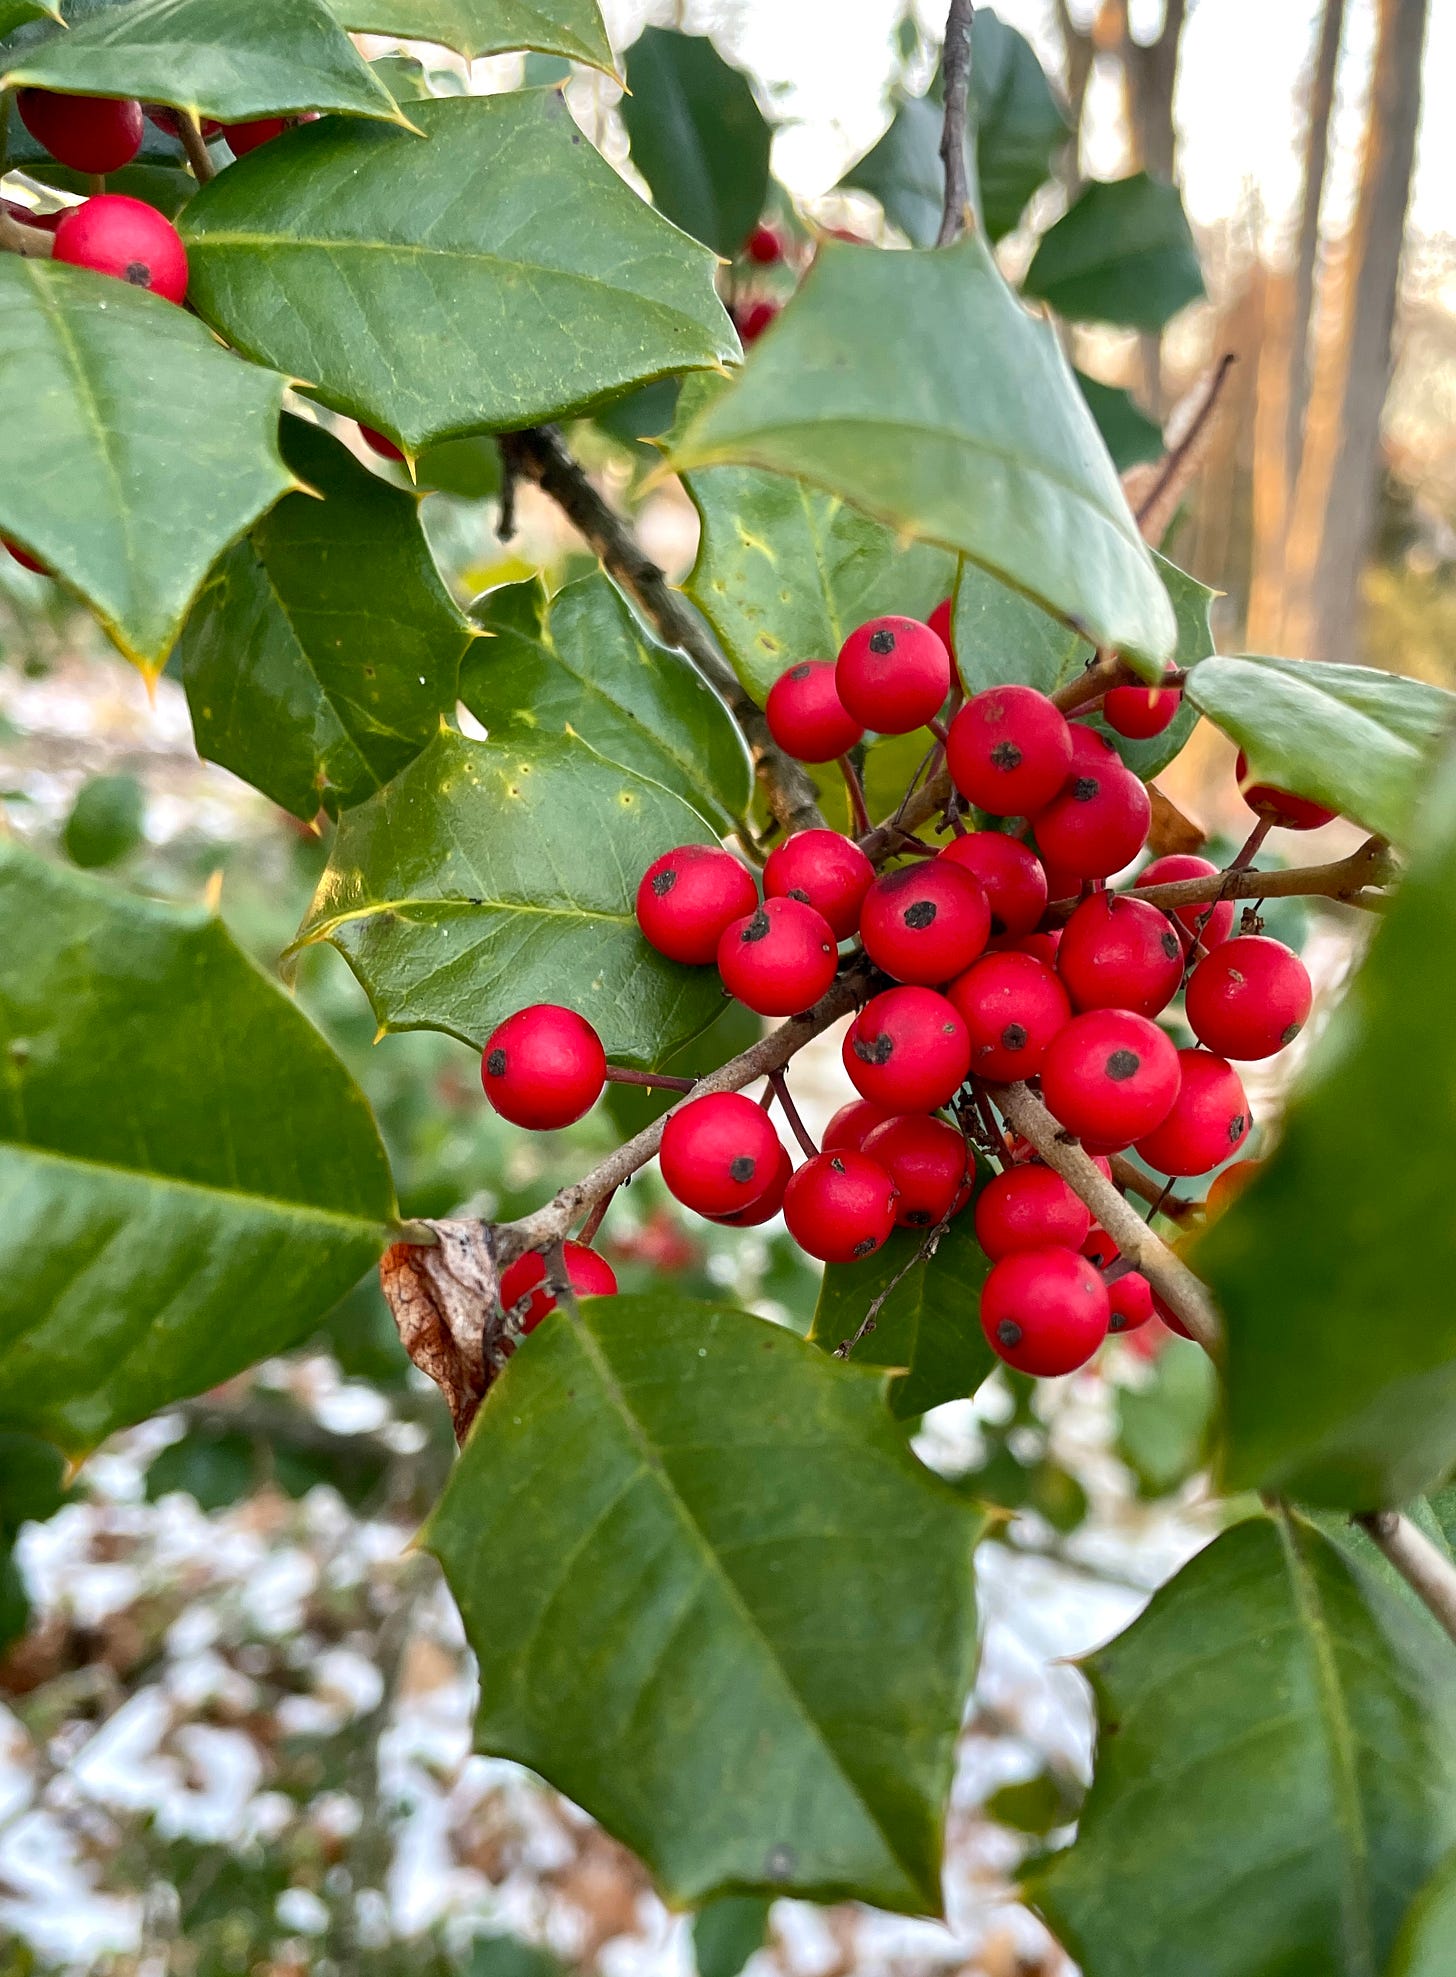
189,1177
1163,1427
917,387
572,28
1122,253
903,170
1426,1946
500,274
250,58
325,648
32,1489
727,1932
1356,739
159,447
1322,1401
106,822
1275,1774
742,1635
697,136
493,874
1003,638
14,12
785,572
1130,436
929,1325
581,663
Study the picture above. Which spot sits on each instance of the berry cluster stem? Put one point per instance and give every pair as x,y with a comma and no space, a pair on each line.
195,145
1429,1575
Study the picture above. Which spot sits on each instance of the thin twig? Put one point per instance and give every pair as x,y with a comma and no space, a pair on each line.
1430,1576
956,73
780,1087
618,1074
1132,1179
855,787
595,1220
1344,879
926,1250
538,454
195,145
17,238
1178,466
1144,1250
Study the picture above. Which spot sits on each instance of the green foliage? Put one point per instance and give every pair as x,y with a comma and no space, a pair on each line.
1192,602
325,648
488,875
250,58
727,1932
1356,739
159,1231
903,170
976,436
580,663
509,1956
159,448
1002,636
1276,1770
697,135
13,12
1333,1270
742,1636
1121,253
545,282
572,28
1163,1428
1427,1943
929,1326
106,821
1129,435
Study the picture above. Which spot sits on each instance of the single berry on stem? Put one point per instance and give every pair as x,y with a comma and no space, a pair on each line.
719,1153
893,674
1209,1120
114,235
840,1206
907,1050
1110,1077
1130,1302
1044,1311
1117,952
926,922
826,871
1012,1005
758,316
1197,922
764,246
1280,806
1029,1207
778,959
543,1067
929,1163
1248,998
1140,712
246,137
1009,751
941,623
91,134
1097,824
1092,751
687,897
588,1274
768,1204
1010,874
806,716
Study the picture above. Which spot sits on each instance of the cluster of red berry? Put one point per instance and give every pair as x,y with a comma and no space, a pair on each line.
982,992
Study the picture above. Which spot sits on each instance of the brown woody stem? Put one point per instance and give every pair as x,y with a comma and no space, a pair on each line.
1430,1575
856,795
195,145
1345,879
780,1087
617,1074
956,70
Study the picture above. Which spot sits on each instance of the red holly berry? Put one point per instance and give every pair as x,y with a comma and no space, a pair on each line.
1042,947
95,134
893,674
1092,751
688,896
1013,1005
1010,875
1280,806
380,443
1117,952
907,1050
1060,884
769,1203
28,216
588,1274
1209,1120
114,235
806,716
24,558
941,623
1110,1076
1130,1302
543,1067
779,958
852,1124
1226,1187
1140,712
840,1206
1044,1311
756,318
1029,1207
1210,927
1098,823
1099,1248
924,922
246,137
764,246
1248,998
824,870
928,1161
719,1153
1009,751
168,120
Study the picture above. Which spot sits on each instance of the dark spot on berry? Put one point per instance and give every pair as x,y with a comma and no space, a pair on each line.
947,1029
1170,946
138,273
742,1168
865,1248
798,892
799,672
1235,976
664,881
1009,1332
1085,788
919,916
836,1165
1013,1037
882,642
495,1064
1238,1125
1117,1322
1006,755
876,1050
917,1218
998,926
1288,1035
1122,1065
757,927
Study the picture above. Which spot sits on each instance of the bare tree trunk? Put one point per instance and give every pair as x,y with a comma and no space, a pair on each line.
1334,502
1316,161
